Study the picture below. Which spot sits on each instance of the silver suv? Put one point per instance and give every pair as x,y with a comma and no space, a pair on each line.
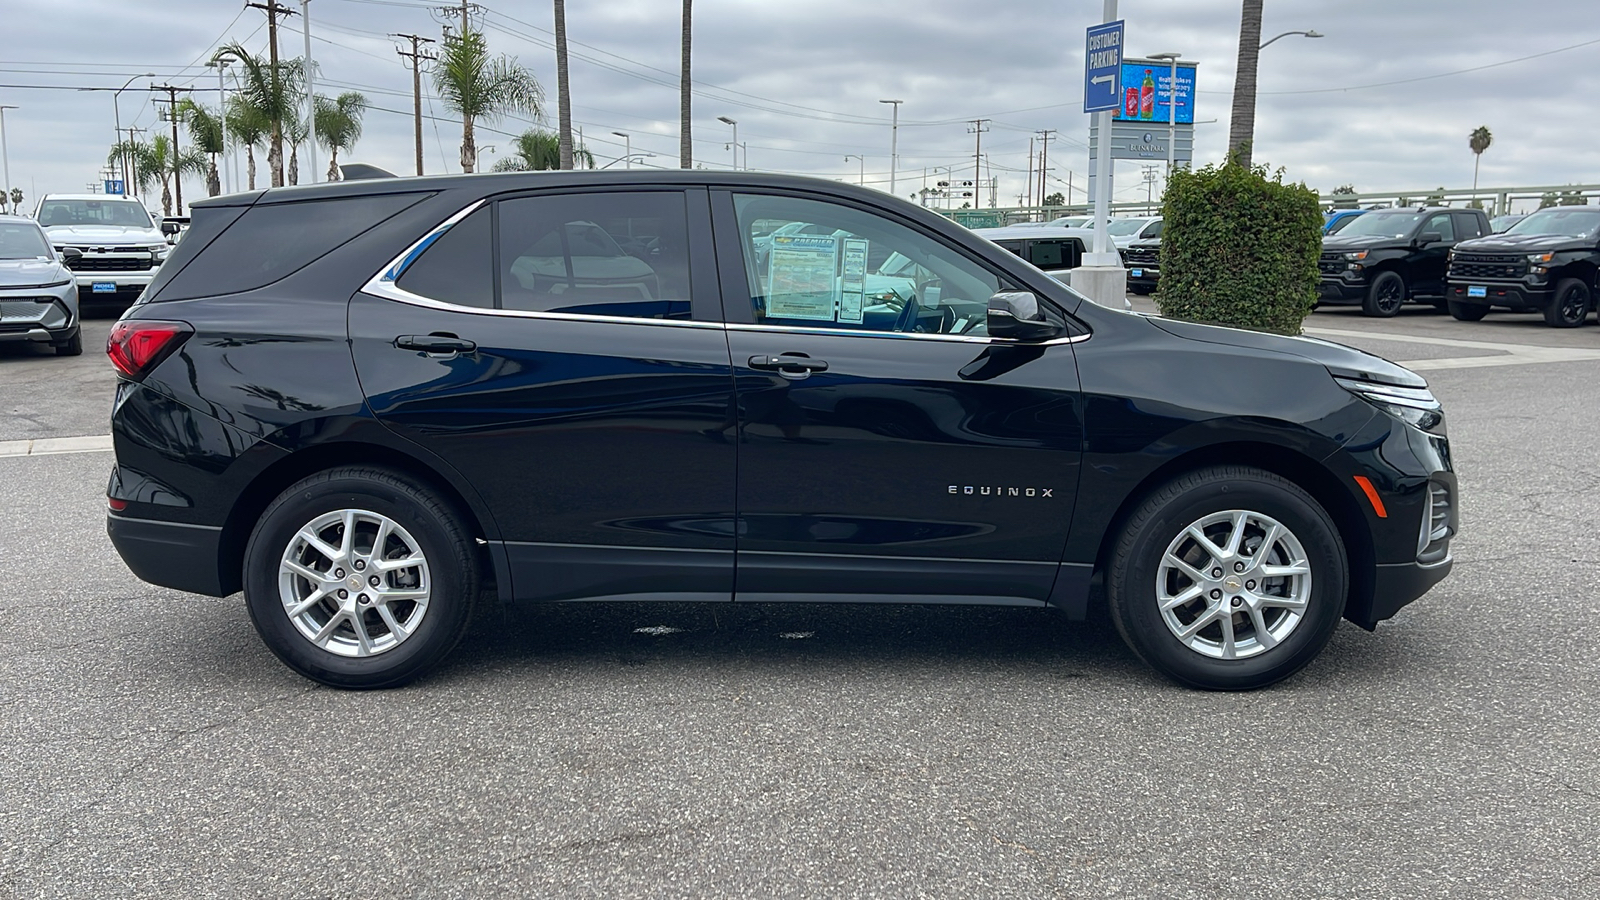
120,243
38,300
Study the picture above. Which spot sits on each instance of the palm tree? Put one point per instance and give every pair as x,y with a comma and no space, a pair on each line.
273,95
295,133
339,125
205,130
1479,141
537,150
162,160
477,86
1242,121
248,128
685,149
563,97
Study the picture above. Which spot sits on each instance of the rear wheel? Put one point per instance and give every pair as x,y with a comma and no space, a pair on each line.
1569,304
1467,312
1385,295
1228,578
358,578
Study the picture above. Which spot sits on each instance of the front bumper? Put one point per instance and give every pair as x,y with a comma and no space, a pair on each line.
1341,290
1143,276
38,317
1509,294
93,284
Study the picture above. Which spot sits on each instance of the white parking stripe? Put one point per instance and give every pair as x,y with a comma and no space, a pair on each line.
92,443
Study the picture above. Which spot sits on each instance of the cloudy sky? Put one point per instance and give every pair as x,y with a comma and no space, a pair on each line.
1385,101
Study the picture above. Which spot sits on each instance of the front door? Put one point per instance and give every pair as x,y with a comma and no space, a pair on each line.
888,450
559,350
1431,259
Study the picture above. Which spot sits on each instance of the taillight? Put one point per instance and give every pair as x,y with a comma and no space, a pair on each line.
136,346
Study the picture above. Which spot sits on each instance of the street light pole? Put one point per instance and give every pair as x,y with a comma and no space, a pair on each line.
863,179
1172,109
894,139
735,145
627,148
5,156
1313,33
126,184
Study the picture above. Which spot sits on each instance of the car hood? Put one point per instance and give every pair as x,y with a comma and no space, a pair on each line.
62,235
1346,362
16,272
1523,243
1339,242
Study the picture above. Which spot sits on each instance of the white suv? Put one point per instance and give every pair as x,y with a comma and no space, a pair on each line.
121,245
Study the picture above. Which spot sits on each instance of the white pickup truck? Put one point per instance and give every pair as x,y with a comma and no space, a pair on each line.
121,244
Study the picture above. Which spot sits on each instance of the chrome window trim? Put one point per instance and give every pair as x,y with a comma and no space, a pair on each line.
907,335
397,266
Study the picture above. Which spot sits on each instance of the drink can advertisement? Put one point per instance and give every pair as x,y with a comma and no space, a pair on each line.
1130,103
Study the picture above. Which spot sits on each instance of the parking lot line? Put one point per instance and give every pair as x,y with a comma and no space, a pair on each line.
92,443
1513,354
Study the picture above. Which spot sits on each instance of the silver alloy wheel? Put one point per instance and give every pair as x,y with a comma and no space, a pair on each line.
354,583
1233,584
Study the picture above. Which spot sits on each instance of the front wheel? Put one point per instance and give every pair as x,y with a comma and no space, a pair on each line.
1228,578
72,346
1385,295
1467,312
359,578
1569,304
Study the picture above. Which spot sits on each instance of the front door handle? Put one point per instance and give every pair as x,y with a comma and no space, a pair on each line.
435,343
788,365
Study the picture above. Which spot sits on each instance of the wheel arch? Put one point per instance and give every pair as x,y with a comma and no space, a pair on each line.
274,479
1298,468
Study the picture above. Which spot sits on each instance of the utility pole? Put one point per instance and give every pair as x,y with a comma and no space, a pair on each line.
416,56
274,10
5,154
894,139
311,96
1028,195
1149,184
1044,160
977,131
172,114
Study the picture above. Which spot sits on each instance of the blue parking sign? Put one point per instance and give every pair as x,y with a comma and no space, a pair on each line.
114,186
1102,67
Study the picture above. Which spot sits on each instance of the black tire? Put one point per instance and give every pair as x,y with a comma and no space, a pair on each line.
72,346
451,578
1569,304
1385,295
1161,521
1467,312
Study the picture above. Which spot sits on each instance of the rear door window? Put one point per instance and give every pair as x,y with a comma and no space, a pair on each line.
457,267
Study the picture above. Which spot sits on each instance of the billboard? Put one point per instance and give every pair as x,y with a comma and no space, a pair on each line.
1146,90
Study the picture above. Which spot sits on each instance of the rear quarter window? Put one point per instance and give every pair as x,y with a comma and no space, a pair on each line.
270,242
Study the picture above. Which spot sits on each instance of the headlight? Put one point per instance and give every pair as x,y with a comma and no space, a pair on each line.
1357,256
1540,257
62,283
1416,407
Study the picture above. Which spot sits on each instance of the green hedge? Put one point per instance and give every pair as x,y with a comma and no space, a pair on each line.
1239,248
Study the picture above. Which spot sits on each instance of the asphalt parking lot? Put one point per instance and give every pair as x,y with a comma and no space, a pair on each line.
153,747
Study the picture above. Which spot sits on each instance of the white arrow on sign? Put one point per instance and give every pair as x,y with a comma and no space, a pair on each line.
1101,79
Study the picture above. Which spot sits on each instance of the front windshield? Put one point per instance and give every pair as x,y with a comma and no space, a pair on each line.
1374,224
1570,222
94,212
1075,221
19,241
1125,227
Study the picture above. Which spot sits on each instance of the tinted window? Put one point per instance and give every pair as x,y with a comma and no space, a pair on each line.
1441,223
205,224
841,267
599,254
457,267
1384,224
127,213
1153,230
270,242
1467,226
22,241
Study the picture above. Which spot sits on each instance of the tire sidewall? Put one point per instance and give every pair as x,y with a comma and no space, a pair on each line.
1565,287
1164,517
447,605
1372,305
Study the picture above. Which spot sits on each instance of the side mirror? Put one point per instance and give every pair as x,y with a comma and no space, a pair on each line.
169,228
71,256
1017,315
1429,237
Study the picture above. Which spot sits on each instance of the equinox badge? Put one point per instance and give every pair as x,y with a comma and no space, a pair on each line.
986,491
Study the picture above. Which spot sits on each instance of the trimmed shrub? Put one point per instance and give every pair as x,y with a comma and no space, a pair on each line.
1239,248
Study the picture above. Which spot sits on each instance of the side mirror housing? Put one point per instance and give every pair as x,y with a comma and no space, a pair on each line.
169,228
1017,315
71,256
1429,237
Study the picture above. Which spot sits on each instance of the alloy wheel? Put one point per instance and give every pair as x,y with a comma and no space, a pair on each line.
354,583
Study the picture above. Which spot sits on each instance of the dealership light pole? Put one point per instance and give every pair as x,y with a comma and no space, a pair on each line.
894,139
117,113
627,148
735,145
5,156
1313,33
1172,109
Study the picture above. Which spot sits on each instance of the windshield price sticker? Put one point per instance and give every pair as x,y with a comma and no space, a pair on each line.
800,278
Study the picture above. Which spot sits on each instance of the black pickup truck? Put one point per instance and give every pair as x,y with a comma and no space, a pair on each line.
1387,257
1546,262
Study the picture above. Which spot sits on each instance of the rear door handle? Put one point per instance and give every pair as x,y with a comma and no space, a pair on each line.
435,343
788,366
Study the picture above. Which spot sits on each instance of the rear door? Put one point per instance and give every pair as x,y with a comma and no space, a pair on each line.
888,449
564,352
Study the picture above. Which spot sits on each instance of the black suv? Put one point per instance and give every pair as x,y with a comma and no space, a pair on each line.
1142,259
1549,261
363,402
1387,257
